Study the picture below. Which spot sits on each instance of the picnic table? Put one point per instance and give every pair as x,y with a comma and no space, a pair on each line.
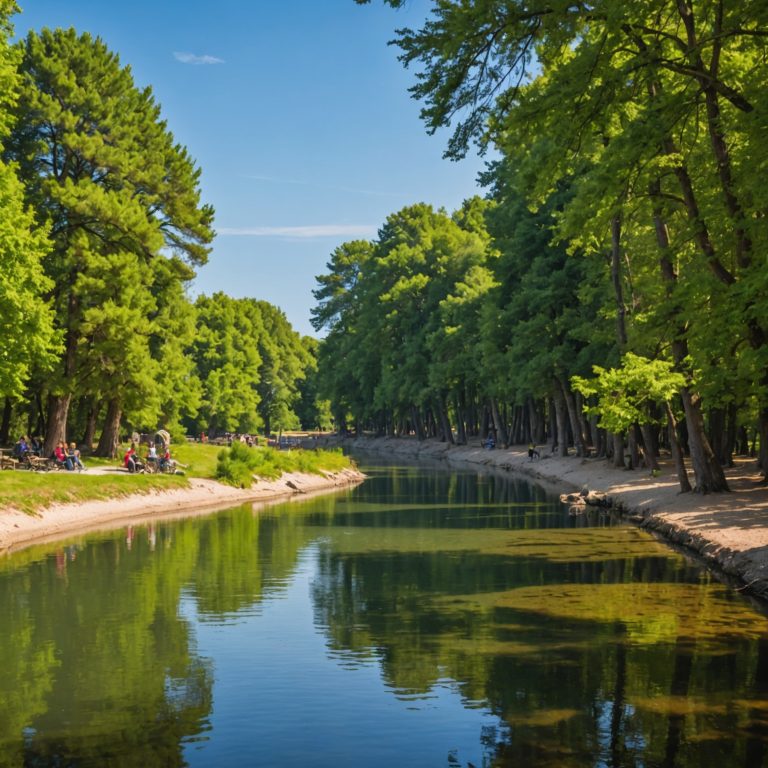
6,460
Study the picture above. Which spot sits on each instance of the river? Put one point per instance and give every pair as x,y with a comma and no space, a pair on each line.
429,617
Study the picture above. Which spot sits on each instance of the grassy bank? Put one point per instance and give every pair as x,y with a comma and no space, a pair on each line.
32,491
239,465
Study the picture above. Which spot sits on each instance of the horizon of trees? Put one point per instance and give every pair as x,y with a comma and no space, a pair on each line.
610,293
101,231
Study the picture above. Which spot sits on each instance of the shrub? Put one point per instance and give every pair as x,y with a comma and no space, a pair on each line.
239,464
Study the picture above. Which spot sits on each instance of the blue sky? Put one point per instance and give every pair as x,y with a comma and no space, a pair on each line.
298,114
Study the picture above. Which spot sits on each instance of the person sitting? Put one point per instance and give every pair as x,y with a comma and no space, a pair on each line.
21,448
73,455
490,443
166,463
152,457
532,452
131,460
36,446
60,457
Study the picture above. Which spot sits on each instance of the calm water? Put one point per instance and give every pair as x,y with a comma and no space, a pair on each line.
428,618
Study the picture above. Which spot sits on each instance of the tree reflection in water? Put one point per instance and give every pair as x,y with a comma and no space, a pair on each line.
578,641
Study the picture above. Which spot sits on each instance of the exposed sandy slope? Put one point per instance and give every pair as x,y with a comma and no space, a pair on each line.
18,529
729,529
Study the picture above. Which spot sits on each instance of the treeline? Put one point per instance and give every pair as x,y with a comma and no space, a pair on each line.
610,294
101,230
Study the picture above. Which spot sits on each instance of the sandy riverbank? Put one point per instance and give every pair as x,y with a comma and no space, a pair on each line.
728,530
18,529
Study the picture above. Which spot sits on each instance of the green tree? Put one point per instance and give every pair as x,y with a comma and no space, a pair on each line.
654,106
285,361
227,362
26,328
101,167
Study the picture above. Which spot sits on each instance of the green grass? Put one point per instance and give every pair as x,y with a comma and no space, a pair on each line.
199,459
32,491
239,464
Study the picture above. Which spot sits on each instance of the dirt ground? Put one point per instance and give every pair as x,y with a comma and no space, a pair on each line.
730,530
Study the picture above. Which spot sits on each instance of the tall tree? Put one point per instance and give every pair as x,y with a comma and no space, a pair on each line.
660,96
100,165
26,327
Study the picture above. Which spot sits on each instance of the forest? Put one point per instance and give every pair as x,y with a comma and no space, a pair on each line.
608,295
101,230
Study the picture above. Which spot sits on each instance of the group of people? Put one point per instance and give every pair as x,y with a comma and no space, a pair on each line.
64,456
134,463
67,457
25,447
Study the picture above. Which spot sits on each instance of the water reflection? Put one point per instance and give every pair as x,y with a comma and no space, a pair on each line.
426,618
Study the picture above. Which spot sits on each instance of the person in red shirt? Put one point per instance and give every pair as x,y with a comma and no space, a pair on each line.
131,459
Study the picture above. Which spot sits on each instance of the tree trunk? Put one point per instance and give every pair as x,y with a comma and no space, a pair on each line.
561,416
446,433
110,435
621,310
649,447
418,427
89,435
677,451
58,411
730,435
634,458
763,431
579,439
708,474
5,426
461,432
501,430
40,424
618,450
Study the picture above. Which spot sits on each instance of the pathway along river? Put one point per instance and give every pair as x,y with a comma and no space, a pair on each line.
427,618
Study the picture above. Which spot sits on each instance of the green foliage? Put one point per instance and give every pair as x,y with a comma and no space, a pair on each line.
624,394
101,168
250,362
382,303
26,316
239,465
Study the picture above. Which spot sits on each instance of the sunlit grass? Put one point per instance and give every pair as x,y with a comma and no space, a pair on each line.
199,459
239,465
32,491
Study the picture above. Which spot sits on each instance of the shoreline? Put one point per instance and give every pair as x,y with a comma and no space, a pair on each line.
19,529
728,531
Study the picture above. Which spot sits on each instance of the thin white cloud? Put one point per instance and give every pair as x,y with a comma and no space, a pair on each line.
299,182
305,232
191,58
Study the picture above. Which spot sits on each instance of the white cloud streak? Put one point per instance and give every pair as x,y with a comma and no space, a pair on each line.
304,232
191,58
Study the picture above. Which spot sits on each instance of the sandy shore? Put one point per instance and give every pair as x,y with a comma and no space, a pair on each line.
729,530
18,529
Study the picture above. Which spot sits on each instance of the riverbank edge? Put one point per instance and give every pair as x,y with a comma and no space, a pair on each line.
19,529
701,524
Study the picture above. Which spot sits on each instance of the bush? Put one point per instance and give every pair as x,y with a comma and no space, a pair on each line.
239,464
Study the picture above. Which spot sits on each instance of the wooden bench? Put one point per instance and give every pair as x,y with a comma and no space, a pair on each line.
8,462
